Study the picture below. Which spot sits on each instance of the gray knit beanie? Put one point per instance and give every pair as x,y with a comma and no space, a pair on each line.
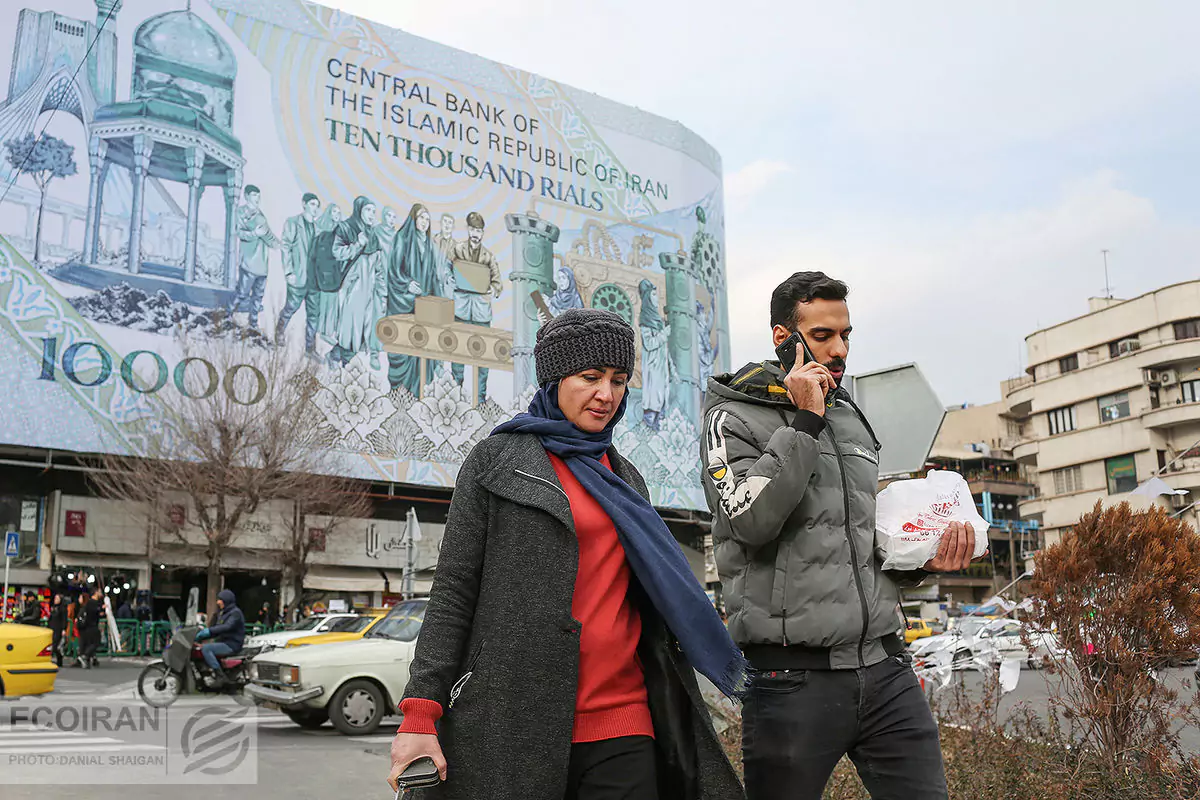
582,338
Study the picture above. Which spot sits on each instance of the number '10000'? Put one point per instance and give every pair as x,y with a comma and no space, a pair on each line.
162,373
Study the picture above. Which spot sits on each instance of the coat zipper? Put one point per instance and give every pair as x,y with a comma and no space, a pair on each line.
862,593
536,479
461,683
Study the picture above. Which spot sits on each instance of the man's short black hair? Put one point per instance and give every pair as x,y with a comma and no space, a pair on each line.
803,287
307,197
251,189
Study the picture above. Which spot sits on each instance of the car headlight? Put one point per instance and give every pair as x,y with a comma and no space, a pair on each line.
252,671
289,675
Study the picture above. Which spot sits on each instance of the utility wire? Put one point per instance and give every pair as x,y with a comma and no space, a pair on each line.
53,111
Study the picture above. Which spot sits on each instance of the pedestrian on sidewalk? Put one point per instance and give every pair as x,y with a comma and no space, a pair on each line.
58,627
558,646
791,468
89,629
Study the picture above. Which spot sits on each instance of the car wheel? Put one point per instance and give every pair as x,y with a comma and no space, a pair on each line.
310,718
961,659
357,708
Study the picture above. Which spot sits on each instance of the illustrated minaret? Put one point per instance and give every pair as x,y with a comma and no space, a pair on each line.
681,315
533,271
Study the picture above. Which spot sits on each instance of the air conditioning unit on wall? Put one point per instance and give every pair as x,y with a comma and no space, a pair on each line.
1167,377
1180,501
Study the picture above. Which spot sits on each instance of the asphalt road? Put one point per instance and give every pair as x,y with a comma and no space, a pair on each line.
282,761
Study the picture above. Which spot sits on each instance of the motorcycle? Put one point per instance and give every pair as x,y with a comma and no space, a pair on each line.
182,669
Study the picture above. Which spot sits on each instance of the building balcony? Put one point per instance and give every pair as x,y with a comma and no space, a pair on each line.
1169,353
1171,416
1031,508
1019,526
1026,452
999,486
1018,396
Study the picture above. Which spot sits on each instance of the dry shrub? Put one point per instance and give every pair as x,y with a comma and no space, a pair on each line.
1120,593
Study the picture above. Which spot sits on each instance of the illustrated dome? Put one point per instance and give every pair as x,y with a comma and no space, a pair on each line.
182,38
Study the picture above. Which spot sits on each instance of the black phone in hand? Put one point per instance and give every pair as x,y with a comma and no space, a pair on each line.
420,774
786,352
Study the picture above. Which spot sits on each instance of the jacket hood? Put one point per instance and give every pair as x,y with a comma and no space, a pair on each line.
227,597
760,383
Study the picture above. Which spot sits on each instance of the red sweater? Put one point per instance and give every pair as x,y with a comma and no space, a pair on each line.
610,700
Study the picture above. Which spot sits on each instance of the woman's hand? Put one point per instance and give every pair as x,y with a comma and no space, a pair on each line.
408,747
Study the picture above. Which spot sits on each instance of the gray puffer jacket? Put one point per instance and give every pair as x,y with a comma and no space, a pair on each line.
793,500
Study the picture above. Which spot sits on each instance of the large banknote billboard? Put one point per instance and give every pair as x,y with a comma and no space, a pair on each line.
405,213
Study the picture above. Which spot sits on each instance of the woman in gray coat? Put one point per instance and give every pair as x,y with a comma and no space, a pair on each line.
557,653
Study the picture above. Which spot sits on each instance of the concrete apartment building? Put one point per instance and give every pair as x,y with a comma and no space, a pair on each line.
1110,399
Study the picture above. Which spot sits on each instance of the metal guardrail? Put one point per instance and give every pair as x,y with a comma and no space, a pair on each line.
141,639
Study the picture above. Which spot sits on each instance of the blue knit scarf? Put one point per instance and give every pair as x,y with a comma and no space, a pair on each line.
652,552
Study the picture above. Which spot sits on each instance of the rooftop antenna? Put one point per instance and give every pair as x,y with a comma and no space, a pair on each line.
1107,286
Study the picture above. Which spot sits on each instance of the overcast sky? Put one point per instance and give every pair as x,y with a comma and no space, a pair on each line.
960,165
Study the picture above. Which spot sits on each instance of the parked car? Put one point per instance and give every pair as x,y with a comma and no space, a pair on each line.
975,642
959,638
345,633
1005,640
320,623
351,684
26,666
918,629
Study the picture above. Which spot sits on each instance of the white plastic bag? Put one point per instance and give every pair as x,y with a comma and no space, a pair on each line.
911,517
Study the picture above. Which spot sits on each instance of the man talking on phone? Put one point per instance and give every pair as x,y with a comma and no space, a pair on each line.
790,474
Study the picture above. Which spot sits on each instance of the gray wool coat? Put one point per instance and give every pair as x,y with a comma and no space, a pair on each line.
499,648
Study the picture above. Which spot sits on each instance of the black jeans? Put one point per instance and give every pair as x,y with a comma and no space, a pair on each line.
89,643
613,769
797,724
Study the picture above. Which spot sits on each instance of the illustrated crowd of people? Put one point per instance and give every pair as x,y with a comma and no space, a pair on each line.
349,271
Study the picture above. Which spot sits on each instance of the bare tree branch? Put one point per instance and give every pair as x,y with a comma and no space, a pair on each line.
241,434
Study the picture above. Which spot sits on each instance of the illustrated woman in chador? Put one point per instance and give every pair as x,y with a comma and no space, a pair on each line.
655,363
361,295
413,271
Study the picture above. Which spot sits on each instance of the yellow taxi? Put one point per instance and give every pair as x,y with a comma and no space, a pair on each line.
917,629
26,666
345,631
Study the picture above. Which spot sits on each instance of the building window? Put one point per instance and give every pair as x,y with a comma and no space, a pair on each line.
1114,407
1123,347
1061,420
1068,480
1068,363
1191,391
1188,329
1122,474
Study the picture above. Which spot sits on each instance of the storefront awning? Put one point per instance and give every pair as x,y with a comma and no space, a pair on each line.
422,581
344,579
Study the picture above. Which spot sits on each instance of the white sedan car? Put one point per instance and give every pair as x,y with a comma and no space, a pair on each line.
978,642
320,623
351,684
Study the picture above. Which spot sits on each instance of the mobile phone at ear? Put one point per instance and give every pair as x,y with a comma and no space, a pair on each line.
786,352
420,774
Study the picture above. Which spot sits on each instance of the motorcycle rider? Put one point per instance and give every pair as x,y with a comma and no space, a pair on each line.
228,634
